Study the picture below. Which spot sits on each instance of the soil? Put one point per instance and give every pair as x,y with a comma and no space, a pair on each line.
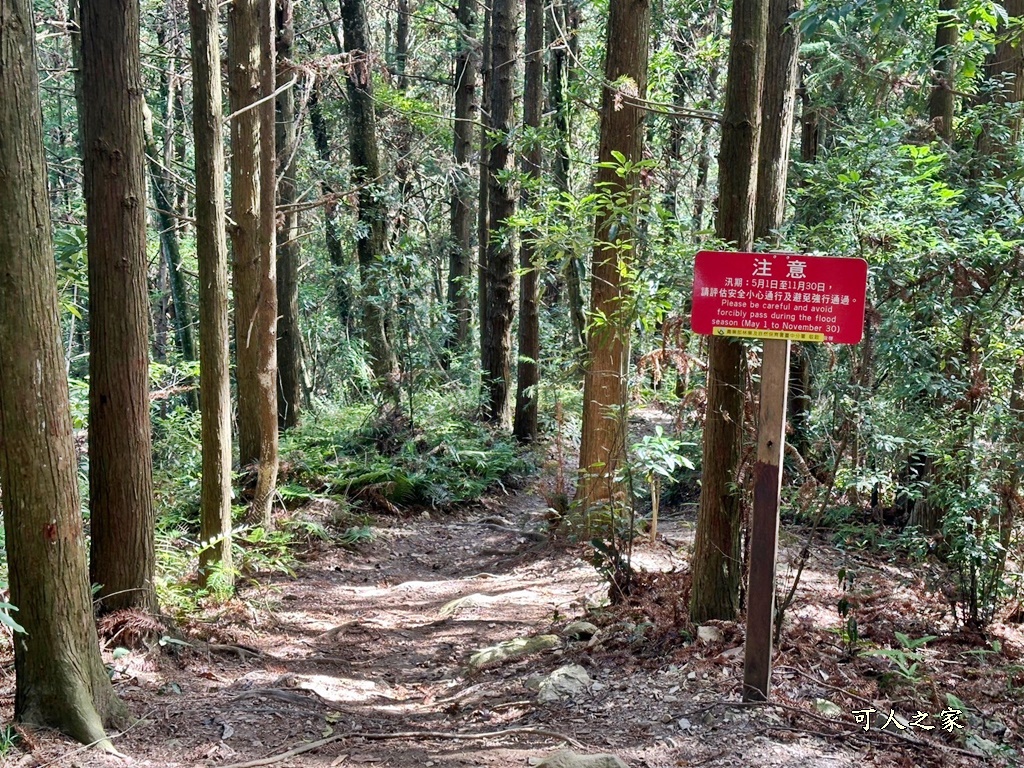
366,653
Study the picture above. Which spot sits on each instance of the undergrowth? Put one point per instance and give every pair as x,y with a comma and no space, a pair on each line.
386,461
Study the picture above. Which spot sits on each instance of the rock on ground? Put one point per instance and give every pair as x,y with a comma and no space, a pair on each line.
568,759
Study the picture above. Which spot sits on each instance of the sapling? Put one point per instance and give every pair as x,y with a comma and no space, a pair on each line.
658,457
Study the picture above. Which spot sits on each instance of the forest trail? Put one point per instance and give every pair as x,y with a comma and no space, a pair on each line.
366,651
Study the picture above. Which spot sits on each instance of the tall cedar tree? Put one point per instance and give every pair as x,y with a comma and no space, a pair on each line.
459,265
717,557
212,255
496,343
265,325
528,370
123,557
289,336
778,105
250,54
483,222
373,213
798,403
603,443
60,678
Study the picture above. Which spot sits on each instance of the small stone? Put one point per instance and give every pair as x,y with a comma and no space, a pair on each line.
709,634
684,724
568,759
827,708
512,649
564,683
580,630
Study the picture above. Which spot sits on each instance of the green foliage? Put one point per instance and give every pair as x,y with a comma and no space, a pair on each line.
658,456
449,460
972,530
6,619
8,739
356,535
907,658
849,631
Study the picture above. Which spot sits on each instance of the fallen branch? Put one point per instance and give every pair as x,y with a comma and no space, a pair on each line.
823,684
314,745
241,650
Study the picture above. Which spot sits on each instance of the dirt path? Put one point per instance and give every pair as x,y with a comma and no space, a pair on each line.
367,651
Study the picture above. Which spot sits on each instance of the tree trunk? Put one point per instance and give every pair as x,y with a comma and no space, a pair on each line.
483,222
528,369
1004,66
366,174
250,52
603,442
60,678
459,266
496,357
942,102
798,404
564,55
402,43
265,317
212,255
289,336
332,237
778,108
716,558
122,520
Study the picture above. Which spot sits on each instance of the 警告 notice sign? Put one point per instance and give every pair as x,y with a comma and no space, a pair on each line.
779,296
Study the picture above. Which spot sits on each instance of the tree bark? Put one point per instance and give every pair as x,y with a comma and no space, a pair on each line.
778,108
603,442
528,369
483,225
402,43
459,266
496,356
250,53
289,335
265,318
60,678
212,255
366,174
564,55
798,405
123,558
942,102
716,558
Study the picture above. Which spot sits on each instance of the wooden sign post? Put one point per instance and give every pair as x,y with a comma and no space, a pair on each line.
777,297
764,526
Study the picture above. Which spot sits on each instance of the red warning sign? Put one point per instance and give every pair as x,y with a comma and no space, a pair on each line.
779,296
